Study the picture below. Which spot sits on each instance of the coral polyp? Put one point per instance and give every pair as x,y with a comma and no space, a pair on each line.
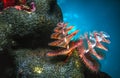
85,52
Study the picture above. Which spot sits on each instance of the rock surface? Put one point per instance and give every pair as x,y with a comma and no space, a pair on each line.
29,29
35,64
29,63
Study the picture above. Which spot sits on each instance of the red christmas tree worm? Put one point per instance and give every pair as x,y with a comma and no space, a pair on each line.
94,40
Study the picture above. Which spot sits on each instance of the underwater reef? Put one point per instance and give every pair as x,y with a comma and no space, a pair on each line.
25,29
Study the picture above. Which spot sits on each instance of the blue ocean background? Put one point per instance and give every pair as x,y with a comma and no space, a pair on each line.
97,15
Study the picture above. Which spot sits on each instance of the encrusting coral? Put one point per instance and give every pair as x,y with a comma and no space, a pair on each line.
86,53
28,26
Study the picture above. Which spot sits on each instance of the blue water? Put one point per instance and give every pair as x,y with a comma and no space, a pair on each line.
99,15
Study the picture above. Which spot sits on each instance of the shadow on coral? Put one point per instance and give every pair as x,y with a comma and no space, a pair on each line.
99,74
7,66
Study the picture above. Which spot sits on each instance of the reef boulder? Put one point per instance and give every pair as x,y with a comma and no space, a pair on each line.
21,28
35,64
